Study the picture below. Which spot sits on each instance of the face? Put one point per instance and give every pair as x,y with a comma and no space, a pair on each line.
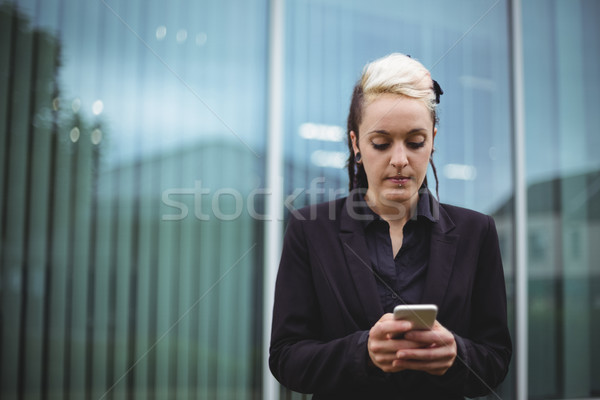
395,141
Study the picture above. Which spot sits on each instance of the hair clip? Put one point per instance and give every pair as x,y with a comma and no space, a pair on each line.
437,90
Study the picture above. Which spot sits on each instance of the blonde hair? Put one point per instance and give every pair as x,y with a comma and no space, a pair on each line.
401,75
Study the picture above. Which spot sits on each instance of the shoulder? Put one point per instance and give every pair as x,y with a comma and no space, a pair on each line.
316,226
462,213
319,213
466,219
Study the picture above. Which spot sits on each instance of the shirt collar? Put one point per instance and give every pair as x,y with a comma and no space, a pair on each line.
426,207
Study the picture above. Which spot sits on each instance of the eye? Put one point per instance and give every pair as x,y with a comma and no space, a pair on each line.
380,146
416,145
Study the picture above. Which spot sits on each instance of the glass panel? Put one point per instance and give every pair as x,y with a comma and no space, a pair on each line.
561,87
132,136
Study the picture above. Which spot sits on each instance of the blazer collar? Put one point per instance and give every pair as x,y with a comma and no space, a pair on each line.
441,257
353,241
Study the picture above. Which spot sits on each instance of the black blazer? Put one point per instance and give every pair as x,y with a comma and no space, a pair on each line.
326,300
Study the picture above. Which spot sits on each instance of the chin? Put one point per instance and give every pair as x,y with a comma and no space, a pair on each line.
397,196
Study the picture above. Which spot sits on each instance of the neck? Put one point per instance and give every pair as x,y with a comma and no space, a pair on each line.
394,213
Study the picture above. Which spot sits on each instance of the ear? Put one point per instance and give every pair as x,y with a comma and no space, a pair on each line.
434,132
354,142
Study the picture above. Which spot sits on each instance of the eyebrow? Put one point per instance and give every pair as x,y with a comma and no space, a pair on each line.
409,133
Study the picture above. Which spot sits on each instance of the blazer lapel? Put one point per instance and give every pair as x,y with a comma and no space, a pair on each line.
359,265
441,259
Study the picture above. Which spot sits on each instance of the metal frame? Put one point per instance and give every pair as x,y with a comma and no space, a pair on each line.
274,223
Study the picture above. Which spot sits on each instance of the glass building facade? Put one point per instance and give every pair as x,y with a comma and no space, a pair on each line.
135,196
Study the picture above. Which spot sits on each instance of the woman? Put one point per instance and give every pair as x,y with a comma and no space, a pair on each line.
347,263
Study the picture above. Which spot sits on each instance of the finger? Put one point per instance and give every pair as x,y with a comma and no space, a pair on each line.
438,335
429,354
392,347
388,327
381,359
431,337
434,368
397,328
387,317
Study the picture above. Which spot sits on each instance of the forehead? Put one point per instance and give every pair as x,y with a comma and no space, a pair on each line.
395,112
396,109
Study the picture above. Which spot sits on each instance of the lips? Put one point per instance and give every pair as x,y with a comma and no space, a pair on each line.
399,180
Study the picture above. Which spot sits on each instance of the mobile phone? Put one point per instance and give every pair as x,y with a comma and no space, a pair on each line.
421,315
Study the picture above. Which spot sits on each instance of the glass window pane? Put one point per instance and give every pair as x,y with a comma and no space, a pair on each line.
132,136
561,86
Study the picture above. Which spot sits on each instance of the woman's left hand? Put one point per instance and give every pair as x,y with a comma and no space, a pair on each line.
437,355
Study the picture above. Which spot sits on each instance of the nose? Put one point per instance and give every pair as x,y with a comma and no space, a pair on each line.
399,158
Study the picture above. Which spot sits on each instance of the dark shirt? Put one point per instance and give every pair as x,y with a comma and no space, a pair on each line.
400,278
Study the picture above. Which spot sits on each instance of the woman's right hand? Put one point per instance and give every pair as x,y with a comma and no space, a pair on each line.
385,339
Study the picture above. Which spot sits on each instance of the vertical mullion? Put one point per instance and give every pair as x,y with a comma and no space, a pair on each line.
8,357
91,282
187,308
80,262
121,280
520,217
141,271
112,283
274,225
132,333
164,296
194,287
7,48
126,258
144,283
174,298
154,216
15,229
246,293
74,150
50,227
79,213
98,339
37,246
224,290
26,370
91,333
207,308
58,259
133,280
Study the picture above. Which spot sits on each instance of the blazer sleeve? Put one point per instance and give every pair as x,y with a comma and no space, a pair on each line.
484,352
299,358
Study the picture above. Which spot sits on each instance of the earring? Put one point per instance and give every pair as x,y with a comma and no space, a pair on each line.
358,157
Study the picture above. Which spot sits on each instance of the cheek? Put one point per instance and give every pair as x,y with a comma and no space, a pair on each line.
423,158
374,165
421,164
